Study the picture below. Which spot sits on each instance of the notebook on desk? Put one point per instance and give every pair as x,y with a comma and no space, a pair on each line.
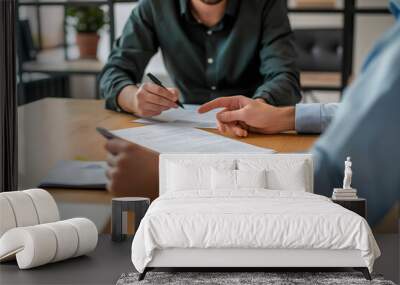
76,174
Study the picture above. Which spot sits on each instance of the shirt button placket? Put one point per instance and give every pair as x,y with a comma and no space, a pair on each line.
211,66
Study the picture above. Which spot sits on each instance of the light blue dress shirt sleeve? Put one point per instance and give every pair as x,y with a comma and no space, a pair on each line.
314,118
367,128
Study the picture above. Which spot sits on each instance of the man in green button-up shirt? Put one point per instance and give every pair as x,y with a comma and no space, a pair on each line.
211,48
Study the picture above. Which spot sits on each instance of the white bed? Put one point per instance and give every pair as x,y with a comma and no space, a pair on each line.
201,219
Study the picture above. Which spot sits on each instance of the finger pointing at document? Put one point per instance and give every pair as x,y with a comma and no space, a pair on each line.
242,114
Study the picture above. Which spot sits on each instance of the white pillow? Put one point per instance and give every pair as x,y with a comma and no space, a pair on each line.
282,174
223,179
293,180
237,179
251,178
185,175
183,178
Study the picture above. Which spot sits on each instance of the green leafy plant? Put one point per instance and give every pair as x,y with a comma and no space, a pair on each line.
87,19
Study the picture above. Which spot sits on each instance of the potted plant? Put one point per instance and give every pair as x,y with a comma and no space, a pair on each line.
87,21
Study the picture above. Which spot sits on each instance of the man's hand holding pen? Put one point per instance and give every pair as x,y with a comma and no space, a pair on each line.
147,100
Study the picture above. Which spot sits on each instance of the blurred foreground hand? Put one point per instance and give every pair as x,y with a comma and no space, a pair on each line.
133,170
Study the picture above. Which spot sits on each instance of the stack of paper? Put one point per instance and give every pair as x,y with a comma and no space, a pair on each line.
172,138
344,194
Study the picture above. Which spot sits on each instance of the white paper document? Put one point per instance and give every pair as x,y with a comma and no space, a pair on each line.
171,138
188,117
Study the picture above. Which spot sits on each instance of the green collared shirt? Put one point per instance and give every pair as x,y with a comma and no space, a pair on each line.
249,52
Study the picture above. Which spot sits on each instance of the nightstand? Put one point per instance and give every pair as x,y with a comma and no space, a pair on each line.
358,206
137,205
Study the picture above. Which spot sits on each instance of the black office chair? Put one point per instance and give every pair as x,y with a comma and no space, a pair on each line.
319,50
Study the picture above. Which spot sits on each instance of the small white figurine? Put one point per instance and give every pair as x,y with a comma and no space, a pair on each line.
348,173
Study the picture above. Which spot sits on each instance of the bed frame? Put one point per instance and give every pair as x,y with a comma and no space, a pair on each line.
255,259
237,259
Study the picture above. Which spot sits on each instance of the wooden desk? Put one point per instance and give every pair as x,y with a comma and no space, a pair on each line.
55,129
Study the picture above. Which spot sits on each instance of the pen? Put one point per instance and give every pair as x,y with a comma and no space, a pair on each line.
155,80
106,133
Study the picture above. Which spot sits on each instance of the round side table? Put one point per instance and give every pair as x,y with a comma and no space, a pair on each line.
137,205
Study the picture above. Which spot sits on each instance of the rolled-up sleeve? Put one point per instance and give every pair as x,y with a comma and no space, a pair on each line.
314,118
130,55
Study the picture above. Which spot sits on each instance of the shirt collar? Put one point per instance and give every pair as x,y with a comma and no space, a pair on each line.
231,8
395,8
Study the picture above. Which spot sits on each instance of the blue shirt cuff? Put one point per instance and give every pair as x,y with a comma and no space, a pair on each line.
308,118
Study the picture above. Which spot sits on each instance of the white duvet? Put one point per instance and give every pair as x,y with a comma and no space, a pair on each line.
250,219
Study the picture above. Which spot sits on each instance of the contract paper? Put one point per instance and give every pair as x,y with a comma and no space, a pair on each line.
188,117
170,138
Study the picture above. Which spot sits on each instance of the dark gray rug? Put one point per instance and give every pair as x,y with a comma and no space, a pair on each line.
268,278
